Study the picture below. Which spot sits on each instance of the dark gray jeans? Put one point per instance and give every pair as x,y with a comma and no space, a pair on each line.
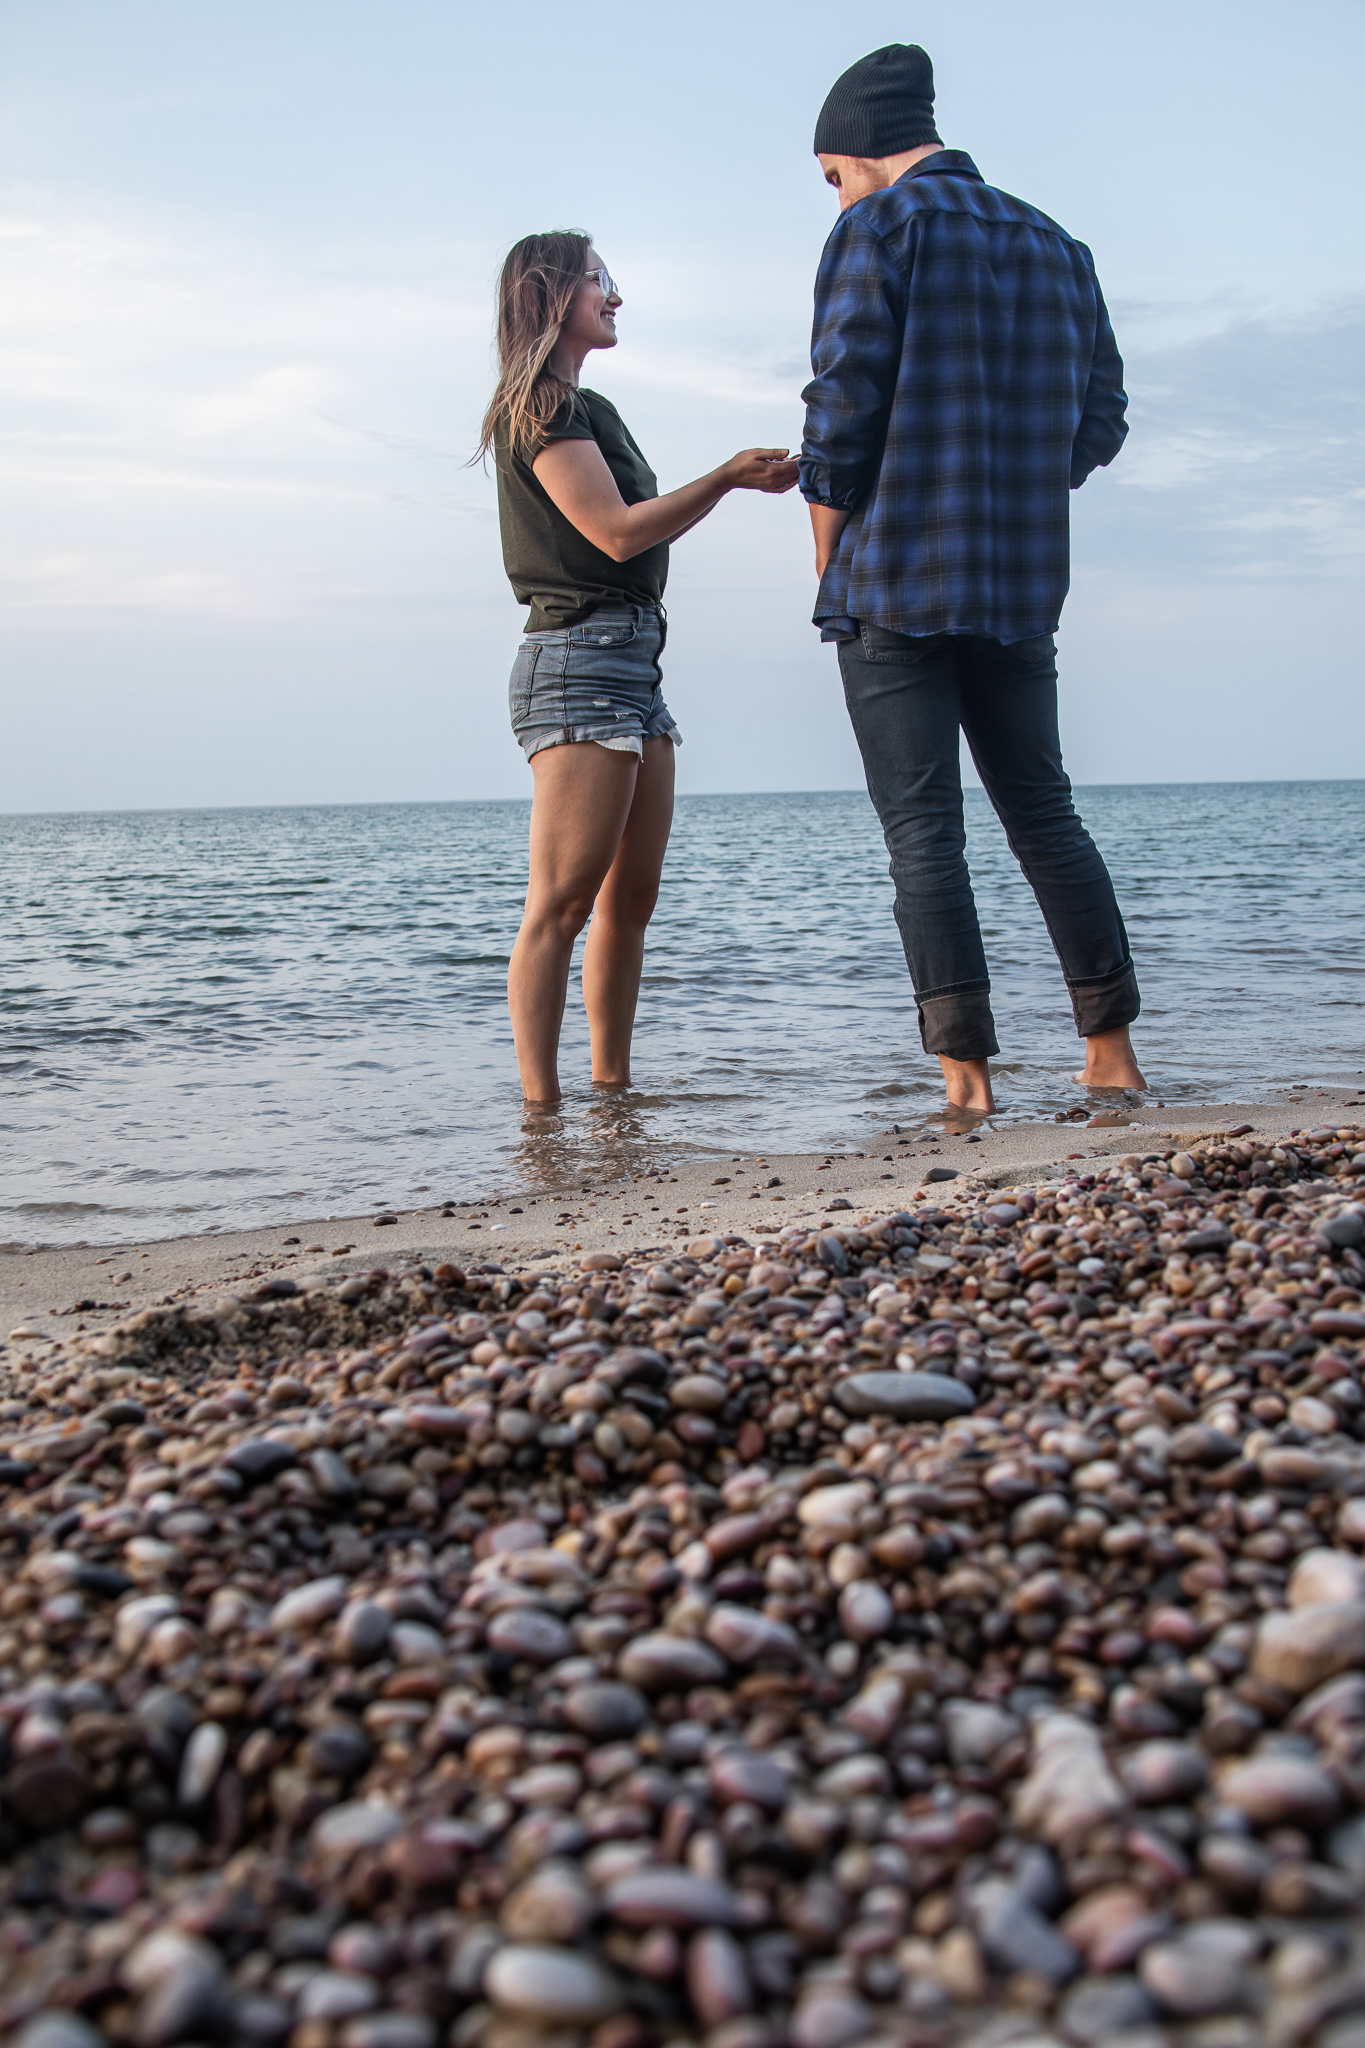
907,698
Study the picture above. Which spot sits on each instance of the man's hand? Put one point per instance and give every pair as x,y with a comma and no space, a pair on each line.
760,469
827,525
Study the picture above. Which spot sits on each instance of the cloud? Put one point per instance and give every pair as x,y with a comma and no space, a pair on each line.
1246,457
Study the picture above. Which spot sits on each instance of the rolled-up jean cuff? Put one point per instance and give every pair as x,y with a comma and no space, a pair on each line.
959,1025
1105,1005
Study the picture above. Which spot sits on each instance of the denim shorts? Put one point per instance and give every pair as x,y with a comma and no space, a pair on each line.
600,681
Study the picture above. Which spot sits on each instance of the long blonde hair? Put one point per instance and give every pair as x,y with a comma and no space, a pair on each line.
536,288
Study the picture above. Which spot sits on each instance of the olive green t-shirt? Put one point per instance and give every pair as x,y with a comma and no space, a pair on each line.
550,564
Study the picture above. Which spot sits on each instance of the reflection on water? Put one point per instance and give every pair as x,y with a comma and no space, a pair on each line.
225,1017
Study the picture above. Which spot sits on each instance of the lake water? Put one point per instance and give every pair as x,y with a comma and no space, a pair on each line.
223,1018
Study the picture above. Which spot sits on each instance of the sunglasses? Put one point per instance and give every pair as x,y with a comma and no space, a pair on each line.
604,281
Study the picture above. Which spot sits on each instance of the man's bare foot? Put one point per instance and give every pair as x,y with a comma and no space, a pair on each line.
968,1083
1109,1062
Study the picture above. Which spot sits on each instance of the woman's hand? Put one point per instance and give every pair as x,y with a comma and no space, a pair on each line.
760,469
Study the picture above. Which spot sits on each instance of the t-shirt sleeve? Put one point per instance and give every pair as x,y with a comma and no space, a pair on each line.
570,423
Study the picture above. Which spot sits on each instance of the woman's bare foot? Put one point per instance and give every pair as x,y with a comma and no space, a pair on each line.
968,1083
1109,1062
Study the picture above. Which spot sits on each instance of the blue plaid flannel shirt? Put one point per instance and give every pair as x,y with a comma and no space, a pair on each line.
966,378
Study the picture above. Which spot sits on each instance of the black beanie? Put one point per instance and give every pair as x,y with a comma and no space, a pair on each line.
883,104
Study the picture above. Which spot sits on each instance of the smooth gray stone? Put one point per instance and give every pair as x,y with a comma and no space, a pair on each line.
906,1396
663,1663
58,2029
605,1709
1097,2007
553,1986
670,1897
1016,1936
529,1633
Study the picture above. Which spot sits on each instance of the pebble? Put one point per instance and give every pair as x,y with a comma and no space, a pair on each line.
671,1898
1069,1787
718,1977
306,1606
908,1396
1097,2009
743,1635
362,1631
831,2016
552,1986
1302,1648
865,1610
367,1645
658,1662
1325,1577
605,1710
1203,1970
527,1632
362,1824
337,1995
204,1756
58,2028
553,1904
1159,1772
1274,1791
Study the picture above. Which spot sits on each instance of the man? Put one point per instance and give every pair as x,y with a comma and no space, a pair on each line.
965,379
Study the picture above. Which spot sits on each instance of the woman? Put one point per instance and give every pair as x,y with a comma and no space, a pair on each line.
585,539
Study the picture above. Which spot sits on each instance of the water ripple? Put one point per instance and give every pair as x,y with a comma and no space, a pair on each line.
211,1018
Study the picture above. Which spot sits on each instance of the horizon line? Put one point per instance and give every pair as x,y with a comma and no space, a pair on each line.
446,803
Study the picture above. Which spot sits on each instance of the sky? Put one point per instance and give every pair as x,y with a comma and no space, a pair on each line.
248,253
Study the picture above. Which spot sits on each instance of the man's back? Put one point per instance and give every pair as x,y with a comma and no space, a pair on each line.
966,379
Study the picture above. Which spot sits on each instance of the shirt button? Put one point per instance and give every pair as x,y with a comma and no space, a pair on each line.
604,640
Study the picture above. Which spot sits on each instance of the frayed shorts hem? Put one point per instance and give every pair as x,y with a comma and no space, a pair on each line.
618,743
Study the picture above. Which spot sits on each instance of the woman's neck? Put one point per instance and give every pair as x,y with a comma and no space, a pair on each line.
566,361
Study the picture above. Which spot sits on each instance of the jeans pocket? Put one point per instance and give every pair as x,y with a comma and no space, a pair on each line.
604,633
879,643
522,682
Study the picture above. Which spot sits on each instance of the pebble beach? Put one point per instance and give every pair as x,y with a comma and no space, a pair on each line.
932,1624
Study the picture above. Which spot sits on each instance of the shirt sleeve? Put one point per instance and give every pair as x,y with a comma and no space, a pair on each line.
1103,428
854,353
571,423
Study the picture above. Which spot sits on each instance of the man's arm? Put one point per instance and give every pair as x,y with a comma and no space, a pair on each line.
827,525
1103,428
855,353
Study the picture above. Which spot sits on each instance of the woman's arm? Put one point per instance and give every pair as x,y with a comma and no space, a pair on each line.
575,477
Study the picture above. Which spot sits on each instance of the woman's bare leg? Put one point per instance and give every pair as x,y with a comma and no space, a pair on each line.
583,797
615,949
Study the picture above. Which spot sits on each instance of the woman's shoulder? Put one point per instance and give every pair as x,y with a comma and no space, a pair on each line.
570,421
596,407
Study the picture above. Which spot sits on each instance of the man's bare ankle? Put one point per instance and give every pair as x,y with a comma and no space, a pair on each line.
1110,1062
968,1083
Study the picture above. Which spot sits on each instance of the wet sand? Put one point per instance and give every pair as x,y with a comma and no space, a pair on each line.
49,1295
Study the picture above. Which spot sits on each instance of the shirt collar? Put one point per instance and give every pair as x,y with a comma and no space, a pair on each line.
953,163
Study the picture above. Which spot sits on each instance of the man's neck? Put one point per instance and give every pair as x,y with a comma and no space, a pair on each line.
897,166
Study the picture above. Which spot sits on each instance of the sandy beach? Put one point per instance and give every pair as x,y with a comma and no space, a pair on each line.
48,1295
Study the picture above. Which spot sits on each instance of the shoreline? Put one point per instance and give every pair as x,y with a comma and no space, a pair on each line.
51,1294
